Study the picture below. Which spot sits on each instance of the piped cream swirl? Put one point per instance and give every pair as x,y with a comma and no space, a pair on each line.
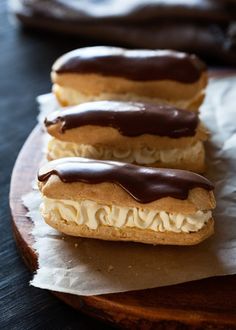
144,155
93,215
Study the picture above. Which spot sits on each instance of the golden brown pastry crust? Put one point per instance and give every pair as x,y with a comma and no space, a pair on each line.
111,137
109,193
94,86
132,234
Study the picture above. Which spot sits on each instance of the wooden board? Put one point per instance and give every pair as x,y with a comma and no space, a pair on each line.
204,304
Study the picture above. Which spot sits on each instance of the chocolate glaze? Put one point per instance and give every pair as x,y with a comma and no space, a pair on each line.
129,118
143,184
141,65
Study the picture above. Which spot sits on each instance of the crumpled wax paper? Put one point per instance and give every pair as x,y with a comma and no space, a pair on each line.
89,267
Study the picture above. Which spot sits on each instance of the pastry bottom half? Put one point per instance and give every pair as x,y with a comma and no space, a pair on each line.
133,234
191,158
68,97
85,218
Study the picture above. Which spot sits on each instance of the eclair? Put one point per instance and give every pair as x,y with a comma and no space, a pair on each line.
133,132
124,202
112,73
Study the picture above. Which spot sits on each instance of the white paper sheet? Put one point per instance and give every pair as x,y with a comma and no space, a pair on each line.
89,267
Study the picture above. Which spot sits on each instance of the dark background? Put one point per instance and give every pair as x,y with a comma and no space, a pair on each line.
25,62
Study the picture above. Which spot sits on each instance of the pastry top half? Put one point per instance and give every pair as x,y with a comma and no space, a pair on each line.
108,73
115,122
137,65
127,185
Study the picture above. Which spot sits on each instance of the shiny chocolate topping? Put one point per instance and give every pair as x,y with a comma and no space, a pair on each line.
143,184
140,65
129,118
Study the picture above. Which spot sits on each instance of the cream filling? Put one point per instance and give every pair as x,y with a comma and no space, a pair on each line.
74,97
93,215
144,155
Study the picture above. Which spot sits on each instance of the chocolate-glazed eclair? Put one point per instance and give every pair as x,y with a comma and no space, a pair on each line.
117,201
105,73
132,132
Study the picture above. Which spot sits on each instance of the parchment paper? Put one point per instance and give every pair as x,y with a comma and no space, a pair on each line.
90,267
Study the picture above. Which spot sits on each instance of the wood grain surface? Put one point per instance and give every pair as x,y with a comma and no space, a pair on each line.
204,304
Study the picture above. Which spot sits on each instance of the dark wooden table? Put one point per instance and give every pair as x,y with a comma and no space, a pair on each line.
25,61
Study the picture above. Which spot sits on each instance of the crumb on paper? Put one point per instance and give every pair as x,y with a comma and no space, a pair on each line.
130,266
110,268
76,245
63,238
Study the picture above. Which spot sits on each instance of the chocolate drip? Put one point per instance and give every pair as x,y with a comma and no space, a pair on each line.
141,65
129,118
143,184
